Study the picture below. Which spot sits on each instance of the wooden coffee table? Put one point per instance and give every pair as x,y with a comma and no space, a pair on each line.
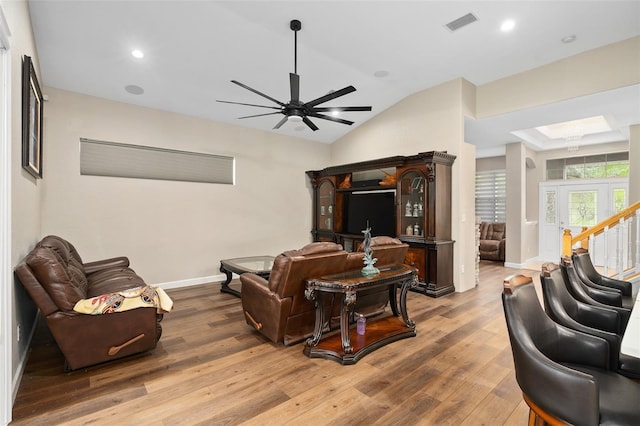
348,347
259,265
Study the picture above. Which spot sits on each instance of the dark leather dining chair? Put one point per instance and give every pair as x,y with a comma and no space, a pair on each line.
564,374
562,308
592,278
580,291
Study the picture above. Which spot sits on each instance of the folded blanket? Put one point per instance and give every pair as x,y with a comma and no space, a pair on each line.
139,297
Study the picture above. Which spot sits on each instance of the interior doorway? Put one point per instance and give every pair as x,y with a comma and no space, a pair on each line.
572,205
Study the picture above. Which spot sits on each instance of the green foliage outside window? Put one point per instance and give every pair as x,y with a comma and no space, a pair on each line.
589,167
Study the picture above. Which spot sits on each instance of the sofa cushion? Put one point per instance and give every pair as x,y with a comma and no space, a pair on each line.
314,248
484,230
498,231
63,283
69,257
489,245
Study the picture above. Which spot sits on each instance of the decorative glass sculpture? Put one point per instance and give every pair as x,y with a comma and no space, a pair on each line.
369,260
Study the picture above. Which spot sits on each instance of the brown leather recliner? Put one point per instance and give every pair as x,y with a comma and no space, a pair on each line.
56,278
492,240
277,308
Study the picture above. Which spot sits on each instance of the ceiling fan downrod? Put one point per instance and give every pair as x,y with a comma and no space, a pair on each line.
295,26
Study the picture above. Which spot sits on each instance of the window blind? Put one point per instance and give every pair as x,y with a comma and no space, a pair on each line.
100,158
491,196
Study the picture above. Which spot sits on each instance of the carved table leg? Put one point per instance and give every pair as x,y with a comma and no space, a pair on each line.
316,298
345,312
406,285
393,290
224,288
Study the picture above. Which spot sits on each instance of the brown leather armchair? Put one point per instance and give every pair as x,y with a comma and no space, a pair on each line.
492,240
564,374
56,279
277,308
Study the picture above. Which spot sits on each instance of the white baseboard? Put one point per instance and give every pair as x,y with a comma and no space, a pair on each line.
17,377
193,281
522,265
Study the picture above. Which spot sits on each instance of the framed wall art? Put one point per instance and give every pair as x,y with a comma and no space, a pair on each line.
31,120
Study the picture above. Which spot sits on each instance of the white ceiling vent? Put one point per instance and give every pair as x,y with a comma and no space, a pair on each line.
462,21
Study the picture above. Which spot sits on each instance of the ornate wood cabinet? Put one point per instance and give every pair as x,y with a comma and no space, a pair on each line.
422,186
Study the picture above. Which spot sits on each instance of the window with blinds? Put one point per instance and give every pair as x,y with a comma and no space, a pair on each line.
491,196
100,158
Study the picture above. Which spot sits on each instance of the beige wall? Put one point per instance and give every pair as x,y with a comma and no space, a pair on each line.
174,230
431,120
609,67
26,191
487,164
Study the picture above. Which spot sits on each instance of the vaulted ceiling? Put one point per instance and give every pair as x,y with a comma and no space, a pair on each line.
386,49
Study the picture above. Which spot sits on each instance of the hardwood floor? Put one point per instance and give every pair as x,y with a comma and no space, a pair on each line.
211,368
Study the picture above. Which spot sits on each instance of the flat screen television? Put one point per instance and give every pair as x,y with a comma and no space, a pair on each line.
379,208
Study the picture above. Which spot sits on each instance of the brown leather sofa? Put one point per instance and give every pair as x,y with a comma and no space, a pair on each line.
492,240
56,278
277,307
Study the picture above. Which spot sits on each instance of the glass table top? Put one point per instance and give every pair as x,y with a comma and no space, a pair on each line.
253,264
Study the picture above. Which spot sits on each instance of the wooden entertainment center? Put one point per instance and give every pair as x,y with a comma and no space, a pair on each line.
421,210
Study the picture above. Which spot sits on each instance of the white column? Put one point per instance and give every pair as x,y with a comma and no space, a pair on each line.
516,202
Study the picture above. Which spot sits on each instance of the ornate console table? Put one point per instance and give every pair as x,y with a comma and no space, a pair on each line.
347,347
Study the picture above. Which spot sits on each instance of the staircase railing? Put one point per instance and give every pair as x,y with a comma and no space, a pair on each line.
626,251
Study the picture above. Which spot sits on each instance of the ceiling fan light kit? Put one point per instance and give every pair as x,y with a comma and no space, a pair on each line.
295,110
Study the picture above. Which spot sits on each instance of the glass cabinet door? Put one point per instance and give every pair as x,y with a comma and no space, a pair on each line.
411,213
325,206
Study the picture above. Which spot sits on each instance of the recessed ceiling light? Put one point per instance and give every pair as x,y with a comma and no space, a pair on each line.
134,90
508,25
568,39
137,53
335,112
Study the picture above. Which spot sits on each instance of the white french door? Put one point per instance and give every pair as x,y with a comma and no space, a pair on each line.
574,205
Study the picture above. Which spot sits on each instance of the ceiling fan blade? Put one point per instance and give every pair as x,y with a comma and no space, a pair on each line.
259,115
333,95
309,123
240,103
294,82
336,119
342,109
257,92
281,122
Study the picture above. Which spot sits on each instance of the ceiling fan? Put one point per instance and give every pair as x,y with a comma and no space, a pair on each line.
295,109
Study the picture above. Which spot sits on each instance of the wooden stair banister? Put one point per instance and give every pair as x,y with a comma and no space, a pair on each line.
583,237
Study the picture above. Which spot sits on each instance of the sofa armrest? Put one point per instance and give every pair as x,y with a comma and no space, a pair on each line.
98,265
501,250
254,280
263,309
